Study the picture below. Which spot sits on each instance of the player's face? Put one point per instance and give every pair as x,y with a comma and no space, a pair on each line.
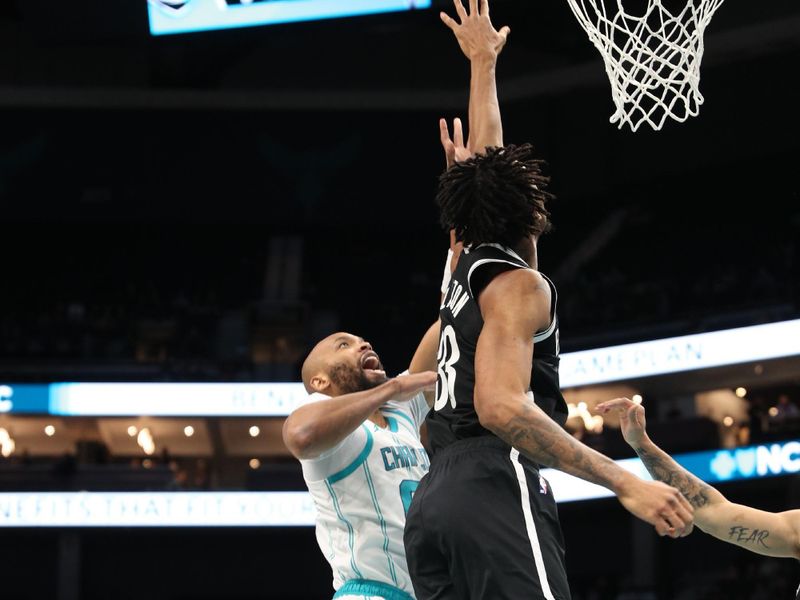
354,365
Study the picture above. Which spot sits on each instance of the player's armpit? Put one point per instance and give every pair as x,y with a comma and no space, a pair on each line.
767,533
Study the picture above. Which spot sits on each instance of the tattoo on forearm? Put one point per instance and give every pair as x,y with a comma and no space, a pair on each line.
694,490
544,441
745,535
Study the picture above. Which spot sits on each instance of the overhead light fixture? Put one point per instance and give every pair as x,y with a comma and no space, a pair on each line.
49,431
132,431
741,392
188,431
254,431
637,399
727,421
254,463
773,412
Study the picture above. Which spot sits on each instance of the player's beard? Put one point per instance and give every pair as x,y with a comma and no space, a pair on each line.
351,379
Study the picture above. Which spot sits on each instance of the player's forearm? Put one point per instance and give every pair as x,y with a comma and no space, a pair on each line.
770,534
528,429
663,467
485,122
314,428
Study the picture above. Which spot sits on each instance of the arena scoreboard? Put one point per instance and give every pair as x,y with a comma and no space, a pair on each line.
185,16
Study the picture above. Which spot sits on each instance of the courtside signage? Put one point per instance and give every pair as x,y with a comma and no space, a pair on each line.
685,353
296,509
602,365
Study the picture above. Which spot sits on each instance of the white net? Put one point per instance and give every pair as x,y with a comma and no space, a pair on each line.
652,60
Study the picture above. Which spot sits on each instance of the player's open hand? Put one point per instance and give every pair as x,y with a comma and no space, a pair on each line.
454,149
407,387
631,419
474,31
662,506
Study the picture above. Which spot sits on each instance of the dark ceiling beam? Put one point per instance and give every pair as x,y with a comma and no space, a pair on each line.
767,38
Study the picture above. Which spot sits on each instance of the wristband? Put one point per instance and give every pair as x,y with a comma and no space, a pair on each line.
447,274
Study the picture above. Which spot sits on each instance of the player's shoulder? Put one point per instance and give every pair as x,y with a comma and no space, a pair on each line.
520,281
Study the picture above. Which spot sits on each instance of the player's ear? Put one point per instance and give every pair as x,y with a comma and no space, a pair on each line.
320,383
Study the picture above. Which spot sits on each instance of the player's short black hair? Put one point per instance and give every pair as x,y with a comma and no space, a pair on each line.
495,198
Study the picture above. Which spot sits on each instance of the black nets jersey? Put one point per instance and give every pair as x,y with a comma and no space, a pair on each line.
453,416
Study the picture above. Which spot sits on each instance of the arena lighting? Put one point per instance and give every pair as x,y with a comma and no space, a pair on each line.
292,509
254,463
185,16
188,431
601,365
254,431
49,431
7,445
741,392
132,430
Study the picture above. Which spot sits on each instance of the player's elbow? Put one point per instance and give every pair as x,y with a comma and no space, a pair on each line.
298,438
493,412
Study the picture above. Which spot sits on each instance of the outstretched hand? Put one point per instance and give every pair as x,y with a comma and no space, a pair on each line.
474,31
407,387
631,419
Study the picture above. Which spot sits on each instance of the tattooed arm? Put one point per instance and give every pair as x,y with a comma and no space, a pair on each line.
515,305
772,534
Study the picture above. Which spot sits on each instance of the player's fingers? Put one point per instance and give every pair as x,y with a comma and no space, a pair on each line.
485,8
458,133
611,404
662,527
677,522
444,132
504,33
462,12
473,8
448,20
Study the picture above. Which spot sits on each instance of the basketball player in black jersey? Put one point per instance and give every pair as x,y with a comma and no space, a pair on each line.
767,533
483,523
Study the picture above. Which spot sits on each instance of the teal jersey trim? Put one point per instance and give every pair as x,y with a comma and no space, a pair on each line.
392,424
349,525
382,522
365,587
357,462
402,415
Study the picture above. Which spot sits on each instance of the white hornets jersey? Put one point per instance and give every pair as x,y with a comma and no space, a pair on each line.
362,489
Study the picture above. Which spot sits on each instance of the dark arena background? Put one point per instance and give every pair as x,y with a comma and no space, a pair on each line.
202,207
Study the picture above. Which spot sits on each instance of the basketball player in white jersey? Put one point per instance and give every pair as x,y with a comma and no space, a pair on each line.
359,444
767,533
358,437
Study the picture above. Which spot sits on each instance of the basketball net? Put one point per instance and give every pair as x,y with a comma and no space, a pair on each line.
652,61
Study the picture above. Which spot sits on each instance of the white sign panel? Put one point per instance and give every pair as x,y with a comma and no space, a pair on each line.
156,509
685,353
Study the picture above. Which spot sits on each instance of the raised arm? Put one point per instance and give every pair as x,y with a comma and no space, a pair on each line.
515,305
772,534
317,427
481,43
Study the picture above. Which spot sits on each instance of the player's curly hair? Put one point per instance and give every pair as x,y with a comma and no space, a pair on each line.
495,198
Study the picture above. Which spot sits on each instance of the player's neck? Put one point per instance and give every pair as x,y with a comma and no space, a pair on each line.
526,250
379,420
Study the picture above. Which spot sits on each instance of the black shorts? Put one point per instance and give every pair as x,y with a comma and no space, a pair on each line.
483,524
